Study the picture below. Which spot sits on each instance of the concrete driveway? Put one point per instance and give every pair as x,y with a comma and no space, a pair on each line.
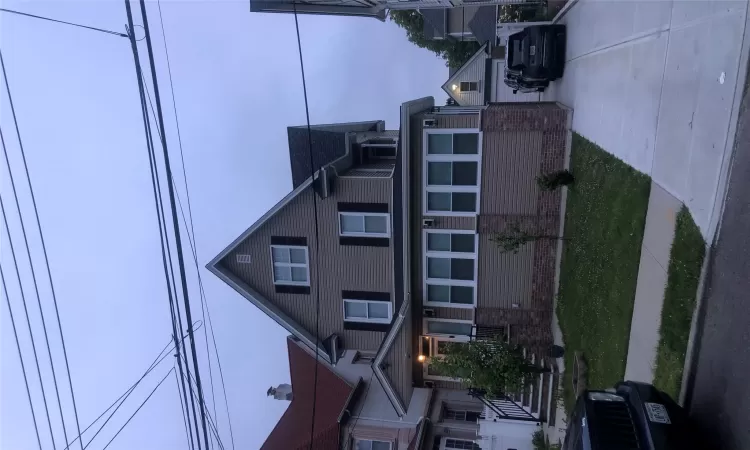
654,83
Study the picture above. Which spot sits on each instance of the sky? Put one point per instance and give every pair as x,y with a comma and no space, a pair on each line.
237,87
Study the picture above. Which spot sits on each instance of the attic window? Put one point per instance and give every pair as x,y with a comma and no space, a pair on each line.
290,265
467,86
244,259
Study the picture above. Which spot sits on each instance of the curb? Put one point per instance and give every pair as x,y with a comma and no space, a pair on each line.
564,11
690,352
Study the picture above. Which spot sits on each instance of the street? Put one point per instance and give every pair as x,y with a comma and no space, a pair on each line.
718,395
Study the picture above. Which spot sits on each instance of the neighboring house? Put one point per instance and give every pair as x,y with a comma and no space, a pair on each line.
475,23
382,253
365,8
480,81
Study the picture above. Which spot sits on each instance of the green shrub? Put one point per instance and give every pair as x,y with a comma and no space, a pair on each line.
553,180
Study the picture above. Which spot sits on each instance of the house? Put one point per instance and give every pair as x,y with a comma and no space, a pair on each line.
480,80
475,23
383,252
366,8
334,396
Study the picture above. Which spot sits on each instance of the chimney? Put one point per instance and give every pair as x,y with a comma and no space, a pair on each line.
282,392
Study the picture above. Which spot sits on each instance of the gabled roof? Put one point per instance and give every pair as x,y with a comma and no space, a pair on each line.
484,24
293,430
328,144
435,21
481,53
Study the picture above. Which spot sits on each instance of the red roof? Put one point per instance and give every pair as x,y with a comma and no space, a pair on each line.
292,432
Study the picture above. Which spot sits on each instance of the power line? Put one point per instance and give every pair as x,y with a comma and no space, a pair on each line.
317,240
26,311
34,16
159,210
193,247
159,358
20,356
46,264
63,22
184,412
175,224
211,421
139,408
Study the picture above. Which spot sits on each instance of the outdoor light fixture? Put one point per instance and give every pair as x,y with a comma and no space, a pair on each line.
420,358
454,87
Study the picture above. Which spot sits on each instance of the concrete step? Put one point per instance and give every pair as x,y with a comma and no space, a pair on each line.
555,391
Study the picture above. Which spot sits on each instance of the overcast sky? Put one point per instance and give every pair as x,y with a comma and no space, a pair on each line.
237,87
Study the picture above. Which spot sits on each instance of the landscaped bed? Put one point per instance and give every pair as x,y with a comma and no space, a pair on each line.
685,262
604,221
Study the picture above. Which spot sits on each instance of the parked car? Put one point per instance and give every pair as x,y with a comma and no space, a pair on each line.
630,416
535,56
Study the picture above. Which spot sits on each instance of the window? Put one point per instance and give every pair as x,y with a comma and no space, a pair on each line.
459,444
364,224
460,415
469,86
450,268
369,311
368,444
452,172
290,265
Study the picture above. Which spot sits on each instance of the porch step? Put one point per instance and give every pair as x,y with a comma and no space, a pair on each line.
537,393
554,396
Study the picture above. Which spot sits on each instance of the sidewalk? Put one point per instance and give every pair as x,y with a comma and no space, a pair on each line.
652,280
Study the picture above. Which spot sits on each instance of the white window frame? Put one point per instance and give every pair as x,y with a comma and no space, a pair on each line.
448,337
444,442
358,440
387,216
468,90
367,319
451,158
306,265
426,280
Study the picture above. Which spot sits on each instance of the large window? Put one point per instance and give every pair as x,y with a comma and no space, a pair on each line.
458,444
460,415
290,265
368,444
450,268
367,311
364,224
452,172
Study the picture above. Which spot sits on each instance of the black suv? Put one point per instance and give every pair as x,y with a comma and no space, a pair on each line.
535,57
631,416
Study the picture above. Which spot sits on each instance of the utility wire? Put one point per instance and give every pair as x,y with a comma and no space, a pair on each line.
317,240
46,264
28,321
193,247
190,231
211,421
139,408
122,398
175,224
184,411
63,22
159,209
20,356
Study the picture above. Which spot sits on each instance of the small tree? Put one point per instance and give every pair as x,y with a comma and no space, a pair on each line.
553,180
492,366
513,238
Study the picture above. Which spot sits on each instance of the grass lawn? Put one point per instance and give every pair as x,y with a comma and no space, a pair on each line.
604,221
685,261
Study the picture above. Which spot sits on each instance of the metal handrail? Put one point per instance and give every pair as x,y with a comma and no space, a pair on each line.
503,406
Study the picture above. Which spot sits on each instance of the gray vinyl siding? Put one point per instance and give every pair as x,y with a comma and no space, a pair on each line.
399,362
472,71
504,279
442,222
510,165
336,268
454,313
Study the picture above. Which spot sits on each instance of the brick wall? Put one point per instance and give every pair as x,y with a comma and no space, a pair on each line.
530,327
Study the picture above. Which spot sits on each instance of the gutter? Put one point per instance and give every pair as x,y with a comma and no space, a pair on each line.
391,393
